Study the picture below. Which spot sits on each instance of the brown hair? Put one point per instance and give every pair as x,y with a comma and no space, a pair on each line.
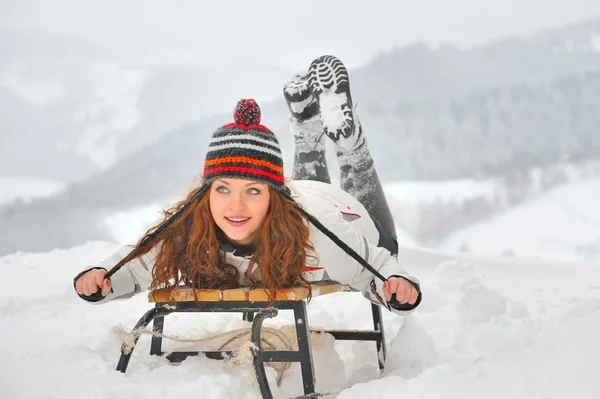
190,254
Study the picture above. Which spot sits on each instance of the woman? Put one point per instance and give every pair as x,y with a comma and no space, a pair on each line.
246,226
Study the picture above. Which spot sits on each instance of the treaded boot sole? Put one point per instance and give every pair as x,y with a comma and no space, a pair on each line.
329,83
299,98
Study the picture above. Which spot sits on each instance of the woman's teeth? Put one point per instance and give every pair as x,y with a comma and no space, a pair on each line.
238,219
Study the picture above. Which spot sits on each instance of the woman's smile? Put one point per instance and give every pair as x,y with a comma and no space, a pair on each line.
237,221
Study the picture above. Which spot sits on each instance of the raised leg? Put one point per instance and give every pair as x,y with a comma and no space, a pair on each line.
305,125
330,85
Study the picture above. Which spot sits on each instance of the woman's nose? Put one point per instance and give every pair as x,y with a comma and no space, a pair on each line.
238,202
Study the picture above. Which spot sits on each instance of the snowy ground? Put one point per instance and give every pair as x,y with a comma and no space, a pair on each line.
413,193
486,328
562,224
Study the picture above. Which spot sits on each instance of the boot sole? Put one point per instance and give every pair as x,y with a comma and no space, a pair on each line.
300,100
329,82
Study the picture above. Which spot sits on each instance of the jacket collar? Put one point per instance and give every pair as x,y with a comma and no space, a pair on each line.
235,249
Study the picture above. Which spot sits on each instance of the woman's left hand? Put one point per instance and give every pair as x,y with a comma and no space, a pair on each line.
404,290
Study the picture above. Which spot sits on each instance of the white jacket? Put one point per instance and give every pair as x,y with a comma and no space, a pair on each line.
337,210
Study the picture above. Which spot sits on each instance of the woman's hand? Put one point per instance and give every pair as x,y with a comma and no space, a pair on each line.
404,290
91,281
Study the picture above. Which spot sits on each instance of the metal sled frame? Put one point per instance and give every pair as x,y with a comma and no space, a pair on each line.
257,312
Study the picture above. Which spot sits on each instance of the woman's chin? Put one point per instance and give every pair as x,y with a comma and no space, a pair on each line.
241,239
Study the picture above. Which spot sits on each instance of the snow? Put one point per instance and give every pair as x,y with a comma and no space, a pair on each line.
128,226
487,327
412,193
563,224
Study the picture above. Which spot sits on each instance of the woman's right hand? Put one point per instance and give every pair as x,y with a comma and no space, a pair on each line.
91,281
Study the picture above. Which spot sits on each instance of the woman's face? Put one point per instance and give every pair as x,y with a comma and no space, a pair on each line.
239,207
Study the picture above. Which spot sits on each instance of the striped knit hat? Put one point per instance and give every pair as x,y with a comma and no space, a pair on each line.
244,149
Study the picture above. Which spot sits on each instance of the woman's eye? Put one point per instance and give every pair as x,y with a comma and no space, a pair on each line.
222,190
253,191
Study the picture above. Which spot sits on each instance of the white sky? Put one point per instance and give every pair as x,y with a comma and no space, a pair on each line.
282,32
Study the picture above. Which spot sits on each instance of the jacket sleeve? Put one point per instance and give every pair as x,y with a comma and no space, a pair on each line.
341,267
135,276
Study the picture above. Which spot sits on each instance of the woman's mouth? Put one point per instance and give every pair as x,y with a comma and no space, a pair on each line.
236,222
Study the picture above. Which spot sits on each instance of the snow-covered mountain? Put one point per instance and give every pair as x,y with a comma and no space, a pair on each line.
562,224
542,119
70,108
75,107
418,72
24,190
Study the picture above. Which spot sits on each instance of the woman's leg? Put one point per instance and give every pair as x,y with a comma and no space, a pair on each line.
330,86
306,127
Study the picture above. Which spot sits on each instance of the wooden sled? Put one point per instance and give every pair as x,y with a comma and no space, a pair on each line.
253,304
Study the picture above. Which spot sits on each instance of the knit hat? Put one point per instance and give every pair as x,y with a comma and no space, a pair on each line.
244,149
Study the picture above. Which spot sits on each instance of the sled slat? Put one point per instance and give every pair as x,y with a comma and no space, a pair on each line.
239,294
283,294
186,294
324,289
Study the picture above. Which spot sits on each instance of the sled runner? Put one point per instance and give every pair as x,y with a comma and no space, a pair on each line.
253,304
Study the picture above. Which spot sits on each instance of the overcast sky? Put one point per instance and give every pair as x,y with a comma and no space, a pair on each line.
284,32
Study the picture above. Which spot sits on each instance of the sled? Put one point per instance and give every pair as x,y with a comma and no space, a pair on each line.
254,306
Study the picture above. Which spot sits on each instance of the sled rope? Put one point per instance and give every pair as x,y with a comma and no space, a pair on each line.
237,341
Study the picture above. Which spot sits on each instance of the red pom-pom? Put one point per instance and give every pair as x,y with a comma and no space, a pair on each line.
247,112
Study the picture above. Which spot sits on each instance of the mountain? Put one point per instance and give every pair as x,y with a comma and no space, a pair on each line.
34,141
428,114
496,131
562,224
69,108
418,72
77,108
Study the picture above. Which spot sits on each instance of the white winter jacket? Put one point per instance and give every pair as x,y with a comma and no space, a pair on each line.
337,210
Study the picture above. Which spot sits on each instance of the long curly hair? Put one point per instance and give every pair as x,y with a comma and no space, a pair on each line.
189,251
